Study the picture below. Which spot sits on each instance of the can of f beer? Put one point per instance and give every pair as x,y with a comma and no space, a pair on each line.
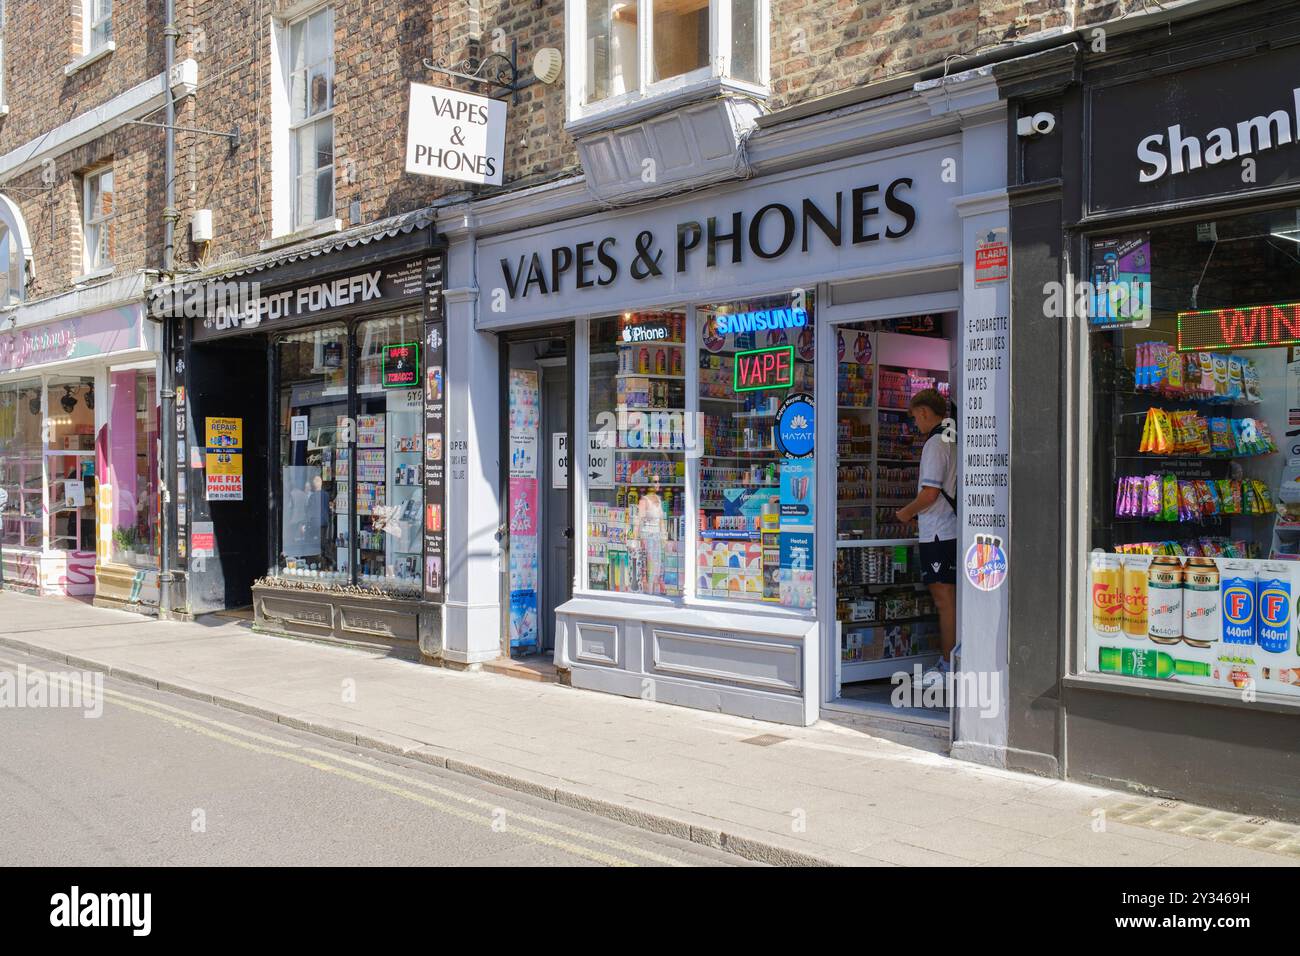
1107,593
1273,608
1237,597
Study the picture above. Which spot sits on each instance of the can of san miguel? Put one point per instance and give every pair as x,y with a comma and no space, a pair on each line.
1165,600
1237,596
1201,602
1107,593
1273,614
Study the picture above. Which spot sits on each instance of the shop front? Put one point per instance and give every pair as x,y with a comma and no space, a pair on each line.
79,454
726,435
1180,659
313,444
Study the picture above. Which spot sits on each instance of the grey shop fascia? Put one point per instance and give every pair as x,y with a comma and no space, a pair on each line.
597,262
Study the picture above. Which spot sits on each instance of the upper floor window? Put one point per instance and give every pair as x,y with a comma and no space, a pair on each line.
15,253
98,212
311,121
97,24
623,50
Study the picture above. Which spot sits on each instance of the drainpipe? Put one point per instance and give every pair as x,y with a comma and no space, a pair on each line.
168,391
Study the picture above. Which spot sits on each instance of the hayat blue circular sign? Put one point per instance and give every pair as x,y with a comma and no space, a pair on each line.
796,426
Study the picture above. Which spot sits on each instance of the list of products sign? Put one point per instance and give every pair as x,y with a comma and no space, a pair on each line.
984,397
435,419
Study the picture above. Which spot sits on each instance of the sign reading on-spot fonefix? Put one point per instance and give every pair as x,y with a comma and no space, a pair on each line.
764,368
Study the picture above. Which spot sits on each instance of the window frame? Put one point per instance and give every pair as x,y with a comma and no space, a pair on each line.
20,246
89,24
297,221
90,262
695,84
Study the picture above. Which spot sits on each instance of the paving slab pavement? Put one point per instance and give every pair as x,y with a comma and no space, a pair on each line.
828,793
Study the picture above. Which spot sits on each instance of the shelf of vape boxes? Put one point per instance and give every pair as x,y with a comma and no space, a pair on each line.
659,375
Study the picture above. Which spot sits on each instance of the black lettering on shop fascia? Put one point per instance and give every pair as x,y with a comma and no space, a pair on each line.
853,218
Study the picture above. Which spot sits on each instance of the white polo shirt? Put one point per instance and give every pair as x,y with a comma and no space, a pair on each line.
938,470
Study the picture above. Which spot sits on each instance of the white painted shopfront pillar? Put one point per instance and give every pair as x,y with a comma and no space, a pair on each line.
982,398
472,618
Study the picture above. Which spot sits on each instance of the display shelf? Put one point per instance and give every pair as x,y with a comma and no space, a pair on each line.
852,671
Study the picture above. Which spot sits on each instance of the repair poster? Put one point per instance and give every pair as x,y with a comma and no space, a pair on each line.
224,459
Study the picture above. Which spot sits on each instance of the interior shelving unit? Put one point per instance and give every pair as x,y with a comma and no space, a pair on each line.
21,479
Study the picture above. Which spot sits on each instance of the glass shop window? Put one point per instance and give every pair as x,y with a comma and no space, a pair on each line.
636,515
757,473
1194,350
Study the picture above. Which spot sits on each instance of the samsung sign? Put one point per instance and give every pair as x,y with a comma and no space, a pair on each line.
766,320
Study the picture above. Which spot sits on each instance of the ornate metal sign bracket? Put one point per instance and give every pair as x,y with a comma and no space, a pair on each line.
497,70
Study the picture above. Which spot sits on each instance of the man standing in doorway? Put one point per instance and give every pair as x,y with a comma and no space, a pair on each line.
935,511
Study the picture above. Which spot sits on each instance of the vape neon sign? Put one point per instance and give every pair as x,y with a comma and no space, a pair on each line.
764,368
401,365
1253,327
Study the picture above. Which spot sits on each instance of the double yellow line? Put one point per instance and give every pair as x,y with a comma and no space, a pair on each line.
481,812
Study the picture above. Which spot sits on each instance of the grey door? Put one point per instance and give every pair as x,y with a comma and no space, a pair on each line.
557,529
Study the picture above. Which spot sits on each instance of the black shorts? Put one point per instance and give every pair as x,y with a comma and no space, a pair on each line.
939,561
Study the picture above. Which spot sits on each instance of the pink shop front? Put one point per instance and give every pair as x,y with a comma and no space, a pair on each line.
79,443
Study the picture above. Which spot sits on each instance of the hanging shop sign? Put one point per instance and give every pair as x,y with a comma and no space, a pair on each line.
344,295
764,368
454,135
1244,327
1210,131
401,365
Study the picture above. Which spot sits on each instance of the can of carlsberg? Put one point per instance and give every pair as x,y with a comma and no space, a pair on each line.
1237,596
1273,614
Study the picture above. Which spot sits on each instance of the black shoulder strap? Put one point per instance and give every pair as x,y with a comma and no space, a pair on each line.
952,502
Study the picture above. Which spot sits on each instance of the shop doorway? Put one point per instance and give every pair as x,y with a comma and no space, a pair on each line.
229,379
537,489
888,620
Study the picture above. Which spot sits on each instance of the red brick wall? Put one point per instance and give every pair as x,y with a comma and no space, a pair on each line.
818,47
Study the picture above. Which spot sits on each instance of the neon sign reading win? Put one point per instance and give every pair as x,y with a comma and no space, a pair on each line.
1252,327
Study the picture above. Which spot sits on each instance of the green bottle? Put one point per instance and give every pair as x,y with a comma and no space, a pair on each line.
1133,662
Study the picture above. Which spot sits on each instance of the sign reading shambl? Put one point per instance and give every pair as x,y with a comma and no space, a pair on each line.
1208,131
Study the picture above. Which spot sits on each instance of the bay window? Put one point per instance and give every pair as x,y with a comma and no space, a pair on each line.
624,50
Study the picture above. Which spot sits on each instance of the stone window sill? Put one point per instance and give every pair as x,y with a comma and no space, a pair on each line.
94,56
